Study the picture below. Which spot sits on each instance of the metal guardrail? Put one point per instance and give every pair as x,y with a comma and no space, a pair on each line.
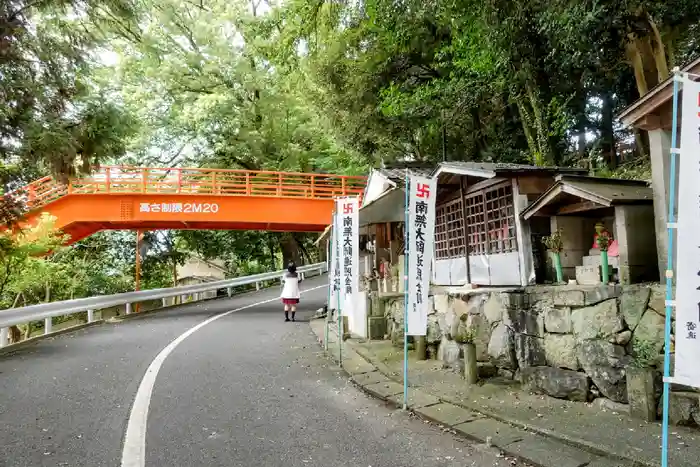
46,311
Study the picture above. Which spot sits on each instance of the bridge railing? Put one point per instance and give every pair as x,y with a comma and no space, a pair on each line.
47,311
192,181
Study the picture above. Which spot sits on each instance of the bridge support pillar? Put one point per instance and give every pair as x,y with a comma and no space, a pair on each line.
128,308
48,325
4,337
91,316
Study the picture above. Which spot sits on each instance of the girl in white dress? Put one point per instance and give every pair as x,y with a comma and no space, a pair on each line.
290,291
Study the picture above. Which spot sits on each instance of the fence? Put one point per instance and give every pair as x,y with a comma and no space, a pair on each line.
47,311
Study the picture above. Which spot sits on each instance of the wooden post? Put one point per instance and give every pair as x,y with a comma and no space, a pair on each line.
421,347
471,369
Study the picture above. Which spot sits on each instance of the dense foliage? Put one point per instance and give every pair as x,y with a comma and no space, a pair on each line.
313,86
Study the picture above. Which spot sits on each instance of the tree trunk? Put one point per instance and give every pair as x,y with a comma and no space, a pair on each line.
15,333
526,121
606,130
273,251
635,58
290,249
174,272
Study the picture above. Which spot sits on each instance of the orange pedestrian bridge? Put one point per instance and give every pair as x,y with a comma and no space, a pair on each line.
149,198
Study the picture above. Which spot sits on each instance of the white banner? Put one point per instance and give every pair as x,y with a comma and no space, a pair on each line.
421,233
687,370
334,271
349,229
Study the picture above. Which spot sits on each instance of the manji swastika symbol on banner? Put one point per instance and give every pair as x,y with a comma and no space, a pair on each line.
423,190
347,208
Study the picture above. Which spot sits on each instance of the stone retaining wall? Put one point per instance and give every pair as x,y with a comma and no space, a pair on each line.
571,342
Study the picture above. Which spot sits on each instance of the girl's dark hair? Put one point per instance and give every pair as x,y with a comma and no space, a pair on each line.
291,267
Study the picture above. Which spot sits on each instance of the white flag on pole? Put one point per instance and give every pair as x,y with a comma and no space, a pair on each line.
687,370
421,233
349,246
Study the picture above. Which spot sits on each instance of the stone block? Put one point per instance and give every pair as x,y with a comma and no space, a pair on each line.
560,351
376,327
633,303
588,275
529,351
372,377
605,404
416,399
651,329
523,321
475,303
515,300
605,364
621,338
555,382
657,301
449,353
384,390
558,320
597,321
640,393
601,294
459,306
494,308
500,433
448,322
569,298
502,348
434,333
448,414
442,303
682,408
480,330
545,451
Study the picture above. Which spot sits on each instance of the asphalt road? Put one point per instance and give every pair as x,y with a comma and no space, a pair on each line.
245,390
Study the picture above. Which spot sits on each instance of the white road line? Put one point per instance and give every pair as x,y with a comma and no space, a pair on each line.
134,450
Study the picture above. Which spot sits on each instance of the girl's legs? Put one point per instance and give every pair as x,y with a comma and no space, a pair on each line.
286,312
294,310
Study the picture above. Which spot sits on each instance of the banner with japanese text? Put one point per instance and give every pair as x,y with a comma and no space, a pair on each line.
349,230
687,370
421,234
334,270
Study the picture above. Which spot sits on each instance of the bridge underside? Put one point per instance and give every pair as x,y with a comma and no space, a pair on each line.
82,215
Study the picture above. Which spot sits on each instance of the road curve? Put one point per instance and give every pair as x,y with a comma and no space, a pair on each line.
245,390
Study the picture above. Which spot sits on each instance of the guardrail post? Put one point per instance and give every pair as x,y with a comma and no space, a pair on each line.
128,308
257,286
4,337
229,291
48,325
91,316
302,276
165,302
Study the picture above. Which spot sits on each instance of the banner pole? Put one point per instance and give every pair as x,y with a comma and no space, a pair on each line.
338,313
331,282
669,274
405,294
